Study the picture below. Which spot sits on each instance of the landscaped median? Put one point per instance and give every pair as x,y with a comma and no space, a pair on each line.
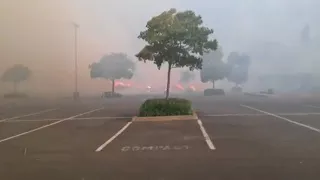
166,110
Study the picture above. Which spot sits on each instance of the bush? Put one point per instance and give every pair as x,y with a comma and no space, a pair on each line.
236,89
270,91
15,95
211,92
111,95
165,107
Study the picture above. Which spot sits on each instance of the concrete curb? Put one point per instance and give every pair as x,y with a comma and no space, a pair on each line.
256,94
192,117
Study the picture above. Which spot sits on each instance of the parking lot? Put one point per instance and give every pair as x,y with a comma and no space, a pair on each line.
234,138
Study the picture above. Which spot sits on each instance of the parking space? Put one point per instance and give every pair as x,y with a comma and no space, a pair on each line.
59,113
8,129
115,111
20,111
231,141
284,107
229,108
179,137
309,120
69,137
261,137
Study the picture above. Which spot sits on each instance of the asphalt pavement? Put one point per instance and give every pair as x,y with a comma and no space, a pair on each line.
234,138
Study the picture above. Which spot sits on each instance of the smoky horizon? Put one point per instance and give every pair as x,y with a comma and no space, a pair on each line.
280,36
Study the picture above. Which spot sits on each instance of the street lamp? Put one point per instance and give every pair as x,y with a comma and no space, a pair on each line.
76,94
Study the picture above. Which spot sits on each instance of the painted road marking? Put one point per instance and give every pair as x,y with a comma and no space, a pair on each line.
48,125
279,114
26,115
297,114
317,107
113,137
283,118
226,115
74,119
205,135
154,148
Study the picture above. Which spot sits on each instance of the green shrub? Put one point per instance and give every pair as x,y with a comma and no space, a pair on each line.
270,91
111,95
211,92
165,107
15,95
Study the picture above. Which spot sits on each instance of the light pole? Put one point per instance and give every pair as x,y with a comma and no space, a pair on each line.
76,94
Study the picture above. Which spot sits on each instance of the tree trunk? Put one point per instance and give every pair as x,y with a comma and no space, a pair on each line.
212,84
168,81
112,86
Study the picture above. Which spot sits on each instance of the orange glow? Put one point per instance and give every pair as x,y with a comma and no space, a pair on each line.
192,87
179,86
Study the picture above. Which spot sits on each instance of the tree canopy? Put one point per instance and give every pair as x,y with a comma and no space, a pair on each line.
113,66
177,38
305,35
213,67
238,67
16,74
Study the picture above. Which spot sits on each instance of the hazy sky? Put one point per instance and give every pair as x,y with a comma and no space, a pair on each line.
39,33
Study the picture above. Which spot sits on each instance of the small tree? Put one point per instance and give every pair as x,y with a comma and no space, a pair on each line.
214,68
177,38
186,76
238,66
16,74
113,66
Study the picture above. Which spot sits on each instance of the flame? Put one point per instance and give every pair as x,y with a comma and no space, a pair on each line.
192,87
121,84
179,86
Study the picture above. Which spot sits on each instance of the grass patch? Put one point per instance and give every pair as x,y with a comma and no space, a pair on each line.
165,107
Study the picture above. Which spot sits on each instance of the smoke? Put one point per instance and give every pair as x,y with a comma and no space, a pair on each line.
40,35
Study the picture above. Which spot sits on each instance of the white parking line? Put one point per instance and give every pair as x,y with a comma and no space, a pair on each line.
74,119
26,115
113,137
297,114
283,118
279,114
206,136
317,107
48,125
226,115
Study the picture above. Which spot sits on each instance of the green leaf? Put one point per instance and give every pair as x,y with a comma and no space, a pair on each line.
165,107
178,38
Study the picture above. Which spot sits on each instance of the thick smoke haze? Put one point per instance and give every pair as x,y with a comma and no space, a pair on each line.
39,34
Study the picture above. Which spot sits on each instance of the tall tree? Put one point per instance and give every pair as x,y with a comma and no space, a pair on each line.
214,68
112,67
16,74
305,35
238,68
177,38
186,76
